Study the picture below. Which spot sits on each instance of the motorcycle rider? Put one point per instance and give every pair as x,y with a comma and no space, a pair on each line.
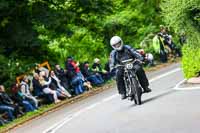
123,52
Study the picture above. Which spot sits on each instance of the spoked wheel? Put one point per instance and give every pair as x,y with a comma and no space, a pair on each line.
137,92
137,99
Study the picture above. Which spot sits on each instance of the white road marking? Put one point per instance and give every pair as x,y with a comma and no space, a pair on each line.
93,105
109,98
59,124
164,75
184,88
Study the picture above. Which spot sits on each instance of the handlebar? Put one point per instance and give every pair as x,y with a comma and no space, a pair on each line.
126,61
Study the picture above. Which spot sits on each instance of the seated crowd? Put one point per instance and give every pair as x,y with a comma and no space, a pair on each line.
50,86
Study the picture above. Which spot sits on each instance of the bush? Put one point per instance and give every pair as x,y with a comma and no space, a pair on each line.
190,61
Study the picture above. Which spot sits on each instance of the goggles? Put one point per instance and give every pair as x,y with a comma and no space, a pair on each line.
117,45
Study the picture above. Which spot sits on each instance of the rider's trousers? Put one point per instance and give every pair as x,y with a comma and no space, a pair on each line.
141,77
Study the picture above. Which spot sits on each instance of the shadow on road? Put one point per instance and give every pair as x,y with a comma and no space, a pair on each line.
151,99
158,96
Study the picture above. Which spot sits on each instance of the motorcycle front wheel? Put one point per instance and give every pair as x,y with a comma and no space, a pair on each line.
137,92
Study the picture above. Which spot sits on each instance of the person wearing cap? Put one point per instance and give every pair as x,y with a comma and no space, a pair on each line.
98,69
122,52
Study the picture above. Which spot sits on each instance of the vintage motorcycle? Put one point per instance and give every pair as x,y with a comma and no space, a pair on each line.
133,87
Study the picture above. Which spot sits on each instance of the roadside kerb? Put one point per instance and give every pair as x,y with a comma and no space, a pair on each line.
177,87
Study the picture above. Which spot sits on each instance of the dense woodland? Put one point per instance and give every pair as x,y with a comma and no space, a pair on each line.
32,31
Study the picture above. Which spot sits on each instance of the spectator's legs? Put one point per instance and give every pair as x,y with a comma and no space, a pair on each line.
77,82
163,56
28,106
2,121
64,91
94,80
9,110
49,98
37,92
49,91
99,77
17,111
34,100
81,76
66,86
78,89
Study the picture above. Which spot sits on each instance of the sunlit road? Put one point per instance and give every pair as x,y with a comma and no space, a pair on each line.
164,110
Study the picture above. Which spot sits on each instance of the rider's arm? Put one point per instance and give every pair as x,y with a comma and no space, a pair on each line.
135,53
112,60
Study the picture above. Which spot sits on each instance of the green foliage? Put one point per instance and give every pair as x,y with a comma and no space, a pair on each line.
10,68
183,15
37,30
133,21
80,45
190,61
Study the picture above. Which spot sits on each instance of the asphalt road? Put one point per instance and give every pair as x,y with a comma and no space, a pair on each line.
164,110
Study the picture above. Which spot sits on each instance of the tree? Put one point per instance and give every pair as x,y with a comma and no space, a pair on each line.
54,29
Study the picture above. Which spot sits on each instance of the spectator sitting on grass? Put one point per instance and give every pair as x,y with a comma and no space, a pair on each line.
25,91
95,79
7,101
97,68
55,83
2,121
75,75
62,75
38,91
37,88
18,97
45,86
6,108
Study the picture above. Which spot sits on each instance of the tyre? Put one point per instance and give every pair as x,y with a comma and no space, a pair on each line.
137,91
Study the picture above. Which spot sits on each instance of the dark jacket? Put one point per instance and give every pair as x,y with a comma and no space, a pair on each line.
127,52
61,74
53,85
86,71
5,99
97,67
71,69
36,84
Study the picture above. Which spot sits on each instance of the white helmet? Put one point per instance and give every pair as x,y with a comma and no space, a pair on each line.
149,57
96,60
116,43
